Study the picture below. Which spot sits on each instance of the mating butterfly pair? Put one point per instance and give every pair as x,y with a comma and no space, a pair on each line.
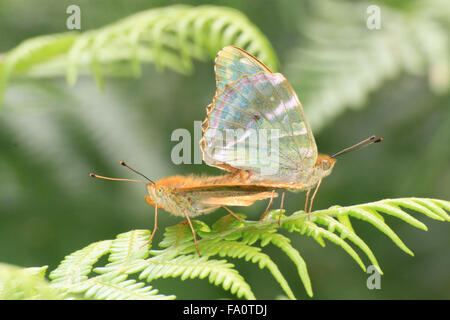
249,99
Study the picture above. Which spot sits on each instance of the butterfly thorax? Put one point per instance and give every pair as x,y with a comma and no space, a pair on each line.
169,199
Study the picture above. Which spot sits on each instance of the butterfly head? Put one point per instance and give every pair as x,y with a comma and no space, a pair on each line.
324,165
164,192
157,193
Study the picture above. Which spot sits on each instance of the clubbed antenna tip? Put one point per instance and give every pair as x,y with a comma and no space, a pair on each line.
137,172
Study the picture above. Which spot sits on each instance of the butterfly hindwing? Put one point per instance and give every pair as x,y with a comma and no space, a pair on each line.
251,103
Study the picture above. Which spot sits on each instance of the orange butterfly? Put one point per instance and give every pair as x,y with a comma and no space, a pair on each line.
190,196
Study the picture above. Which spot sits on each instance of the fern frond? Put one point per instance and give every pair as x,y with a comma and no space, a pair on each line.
249,234
117,288
128,248
235,249
369,216
370,212
284,244
38,272
168,37
429,207
76,266
181,233
311,229
347,232
340,61
32,52
441,204
228,238
219,272
72,274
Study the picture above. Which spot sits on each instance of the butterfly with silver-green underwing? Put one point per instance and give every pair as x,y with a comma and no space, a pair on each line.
250,98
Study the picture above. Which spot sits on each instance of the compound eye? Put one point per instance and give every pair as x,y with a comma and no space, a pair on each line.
325,165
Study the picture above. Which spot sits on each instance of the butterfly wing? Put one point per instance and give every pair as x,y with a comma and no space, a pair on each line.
246,105
208,197
240,201
231,63
198,195
221,184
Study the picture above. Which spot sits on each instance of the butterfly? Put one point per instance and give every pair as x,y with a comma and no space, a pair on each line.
250,99
190,196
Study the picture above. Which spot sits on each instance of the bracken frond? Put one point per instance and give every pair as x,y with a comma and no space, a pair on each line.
76,266
170,37
228,237
340,60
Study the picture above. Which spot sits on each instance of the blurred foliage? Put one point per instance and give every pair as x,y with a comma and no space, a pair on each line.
52,136
339,63
169,37
25,283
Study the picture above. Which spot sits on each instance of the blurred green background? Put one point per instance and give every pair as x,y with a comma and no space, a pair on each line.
352,81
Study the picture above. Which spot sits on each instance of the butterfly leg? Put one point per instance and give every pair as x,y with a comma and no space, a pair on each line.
268,206
312,199
307,200
281,208
233,214
147,198
193,231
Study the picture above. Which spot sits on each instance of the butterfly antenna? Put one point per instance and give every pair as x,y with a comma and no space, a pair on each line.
359,146
93,175
128,167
